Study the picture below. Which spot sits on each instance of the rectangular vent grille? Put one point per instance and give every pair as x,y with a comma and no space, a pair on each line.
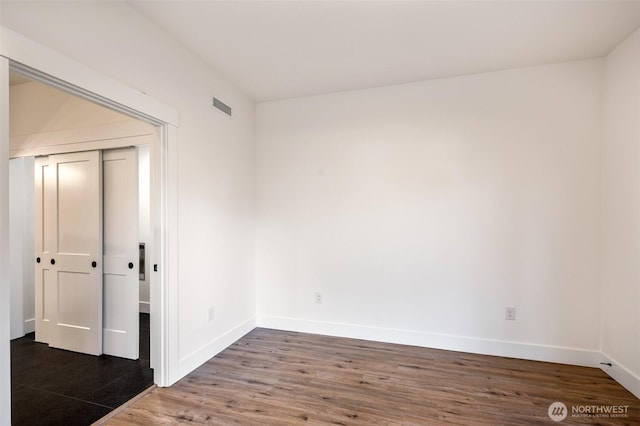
222,106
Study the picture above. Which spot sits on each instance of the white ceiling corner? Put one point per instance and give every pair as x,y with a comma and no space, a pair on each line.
281,49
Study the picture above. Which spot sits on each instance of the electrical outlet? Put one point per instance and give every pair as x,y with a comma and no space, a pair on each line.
318,297
210,313
510,313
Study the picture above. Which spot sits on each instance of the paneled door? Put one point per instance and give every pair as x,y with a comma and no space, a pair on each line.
121,255
68,200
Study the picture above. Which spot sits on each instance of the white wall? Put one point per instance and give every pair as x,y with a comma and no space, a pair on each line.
144,216
16,243
21,242
421,211
620,297
215,157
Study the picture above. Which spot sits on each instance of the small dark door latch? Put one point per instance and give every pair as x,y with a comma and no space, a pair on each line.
130,265
37,260
94,264
53,261
155,268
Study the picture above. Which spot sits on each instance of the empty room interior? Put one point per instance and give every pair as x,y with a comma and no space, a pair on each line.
358,212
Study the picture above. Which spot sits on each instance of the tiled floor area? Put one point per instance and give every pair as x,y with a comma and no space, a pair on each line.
55,387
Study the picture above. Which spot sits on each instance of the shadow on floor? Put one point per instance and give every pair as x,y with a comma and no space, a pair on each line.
56,387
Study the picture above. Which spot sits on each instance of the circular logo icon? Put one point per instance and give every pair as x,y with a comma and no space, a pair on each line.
557,411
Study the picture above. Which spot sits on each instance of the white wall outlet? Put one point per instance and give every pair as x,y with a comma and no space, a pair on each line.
210,313
318,297
510,313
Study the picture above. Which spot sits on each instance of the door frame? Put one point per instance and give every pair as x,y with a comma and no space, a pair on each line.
38,62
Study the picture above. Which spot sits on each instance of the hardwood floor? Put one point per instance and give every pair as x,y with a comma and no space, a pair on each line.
282,378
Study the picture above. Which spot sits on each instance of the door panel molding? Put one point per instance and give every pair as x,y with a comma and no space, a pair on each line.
68,221
120,253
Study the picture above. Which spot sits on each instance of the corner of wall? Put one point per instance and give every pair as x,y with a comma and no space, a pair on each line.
621,374
201,355
619,335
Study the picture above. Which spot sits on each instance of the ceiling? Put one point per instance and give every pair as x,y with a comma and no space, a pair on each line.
282,49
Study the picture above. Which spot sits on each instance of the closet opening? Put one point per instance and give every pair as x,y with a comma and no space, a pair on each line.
80,318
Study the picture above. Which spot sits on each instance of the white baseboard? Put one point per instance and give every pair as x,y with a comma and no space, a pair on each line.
534,352
29,325
621,374
198,357
144,307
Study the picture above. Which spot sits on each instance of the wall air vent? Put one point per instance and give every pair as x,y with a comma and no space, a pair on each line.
217,103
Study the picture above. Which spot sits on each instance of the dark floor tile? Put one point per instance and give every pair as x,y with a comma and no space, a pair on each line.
32,407
145,330
52,386
123,389
33,363
86,375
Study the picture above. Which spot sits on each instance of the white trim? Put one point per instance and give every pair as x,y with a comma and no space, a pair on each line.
164,253
529,351
198,357
29,325
5,348
171,256
42,60
621,374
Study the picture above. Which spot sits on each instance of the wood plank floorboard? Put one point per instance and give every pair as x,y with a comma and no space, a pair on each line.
274,377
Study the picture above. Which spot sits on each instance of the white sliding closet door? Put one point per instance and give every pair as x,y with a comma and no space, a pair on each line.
121,255
68,228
